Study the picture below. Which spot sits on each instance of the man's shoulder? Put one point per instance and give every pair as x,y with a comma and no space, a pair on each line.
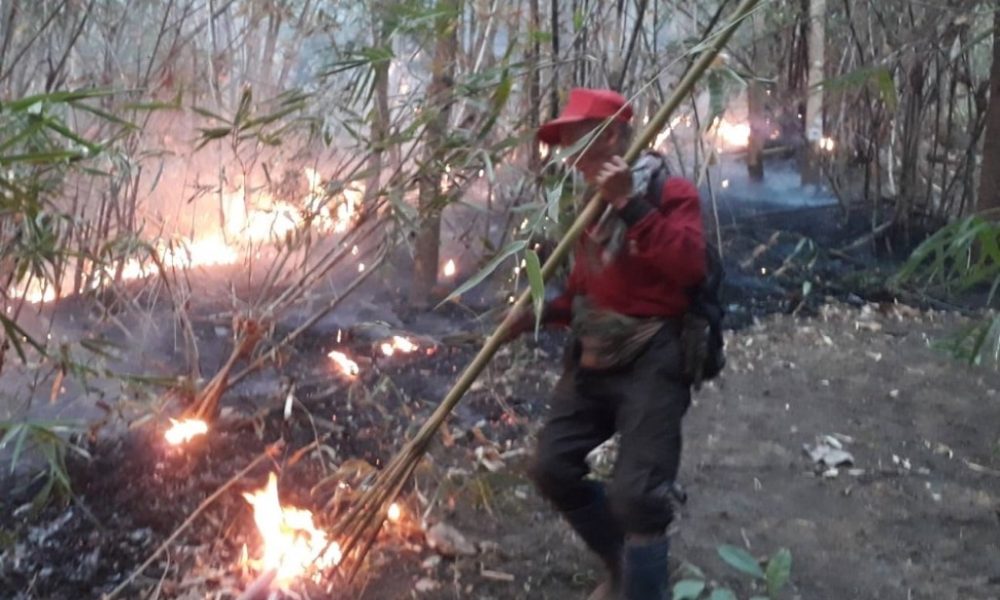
679,187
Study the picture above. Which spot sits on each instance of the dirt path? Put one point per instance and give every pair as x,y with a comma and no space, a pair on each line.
919,518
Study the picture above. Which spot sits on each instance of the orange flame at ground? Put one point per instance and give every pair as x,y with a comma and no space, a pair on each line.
398,343
292,542
346,365
184,430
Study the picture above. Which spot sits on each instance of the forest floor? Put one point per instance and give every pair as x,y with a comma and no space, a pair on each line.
917,514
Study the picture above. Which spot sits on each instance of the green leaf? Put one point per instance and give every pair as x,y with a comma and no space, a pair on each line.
887,89
534,268
740,560
722,594
688,589
542,37
779,570
807,287
505,252
716,95
22,435
692,571
43,157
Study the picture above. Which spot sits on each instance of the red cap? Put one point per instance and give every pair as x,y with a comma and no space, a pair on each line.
585,104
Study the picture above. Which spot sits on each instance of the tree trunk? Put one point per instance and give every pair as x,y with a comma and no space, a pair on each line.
534,87
430,203
758,131
989,174
554,84
380,117
814,102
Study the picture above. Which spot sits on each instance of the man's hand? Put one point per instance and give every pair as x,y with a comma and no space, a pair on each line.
615,182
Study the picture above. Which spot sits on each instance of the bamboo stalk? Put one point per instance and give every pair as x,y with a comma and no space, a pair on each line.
370,510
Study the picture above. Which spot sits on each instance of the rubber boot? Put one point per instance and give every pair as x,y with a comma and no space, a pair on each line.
598,528
645,575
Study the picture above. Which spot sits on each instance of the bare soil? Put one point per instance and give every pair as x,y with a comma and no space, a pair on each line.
916,516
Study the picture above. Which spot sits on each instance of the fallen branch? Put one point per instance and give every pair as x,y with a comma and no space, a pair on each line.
206,406
332,304
270,452
868,237
363,521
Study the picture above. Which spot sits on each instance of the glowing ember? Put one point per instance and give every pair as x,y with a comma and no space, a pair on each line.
394,513
292,542
183,431
398,343
827,144
348,366
449,268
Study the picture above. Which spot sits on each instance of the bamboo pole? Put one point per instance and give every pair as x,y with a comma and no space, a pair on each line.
371,507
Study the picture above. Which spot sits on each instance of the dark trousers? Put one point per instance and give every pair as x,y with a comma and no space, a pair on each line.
643,401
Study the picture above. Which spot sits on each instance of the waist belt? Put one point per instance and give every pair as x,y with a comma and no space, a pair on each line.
609,339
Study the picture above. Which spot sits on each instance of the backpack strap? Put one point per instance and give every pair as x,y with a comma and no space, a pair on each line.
654,190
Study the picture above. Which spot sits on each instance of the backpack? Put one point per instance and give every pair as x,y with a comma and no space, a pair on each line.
701,334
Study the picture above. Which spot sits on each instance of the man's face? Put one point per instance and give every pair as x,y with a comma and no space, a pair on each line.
591,158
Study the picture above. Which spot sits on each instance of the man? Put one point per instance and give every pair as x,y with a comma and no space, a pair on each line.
624,370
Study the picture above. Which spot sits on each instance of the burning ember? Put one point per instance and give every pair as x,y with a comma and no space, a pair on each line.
292,542
394,513
183,431
827,144
449,268
346,365
398,343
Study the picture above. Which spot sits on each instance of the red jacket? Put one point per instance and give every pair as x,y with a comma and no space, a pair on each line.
662,256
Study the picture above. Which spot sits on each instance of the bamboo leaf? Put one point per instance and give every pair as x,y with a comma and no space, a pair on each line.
688,589
722,594
779,570
207,113
505,252
43,157
740,560
22,436
537,284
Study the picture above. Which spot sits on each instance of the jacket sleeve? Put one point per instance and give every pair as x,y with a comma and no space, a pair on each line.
559,310
669,240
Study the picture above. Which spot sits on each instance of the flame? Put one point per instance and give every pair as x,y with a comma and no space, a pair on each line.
348,366
250,218
398,343
449,268
663,136
827,144
184,430
292,542
37,291
394,513
733,134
